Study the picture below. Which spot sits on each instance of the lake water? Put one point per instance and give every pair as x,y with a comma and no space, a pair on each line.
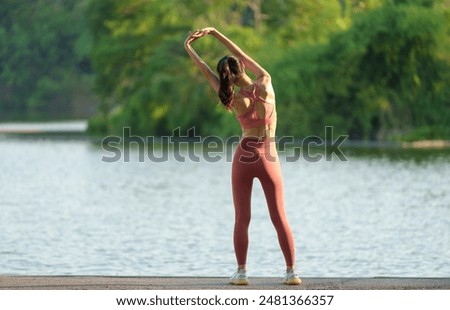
64,211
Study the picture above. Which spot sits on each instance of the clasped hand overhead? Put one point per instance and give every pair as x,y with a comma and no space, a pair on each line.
196,34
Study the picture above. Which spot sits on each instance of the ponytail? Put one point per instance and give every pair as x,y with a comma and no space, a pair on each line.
229,68
226,90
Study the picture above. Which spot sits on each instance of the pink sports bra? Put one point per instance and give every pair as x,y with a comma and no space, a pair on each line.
250,118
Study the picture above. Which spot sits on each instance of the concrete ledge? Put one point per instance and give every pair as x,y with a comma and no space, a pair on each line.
200,283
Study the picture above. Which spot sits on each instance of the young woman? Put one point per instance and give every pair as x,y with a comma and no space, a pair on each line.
256,156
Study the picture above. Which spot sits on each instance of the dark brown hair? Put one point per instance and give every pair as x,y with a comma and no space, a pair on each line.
229,69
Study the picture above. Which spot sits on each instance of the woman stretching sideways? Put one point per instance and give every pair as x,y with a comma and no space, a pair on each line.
256,155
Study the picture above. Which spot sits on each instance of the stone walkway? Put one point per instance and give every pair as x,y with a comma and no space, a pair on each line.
199,283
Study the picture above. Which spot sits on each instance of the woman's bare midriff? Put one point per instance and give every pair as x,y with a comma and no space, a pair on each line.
260,132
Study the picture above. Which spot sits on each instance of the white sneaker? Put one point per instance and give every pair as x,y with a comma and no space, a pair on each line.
239,277
291,278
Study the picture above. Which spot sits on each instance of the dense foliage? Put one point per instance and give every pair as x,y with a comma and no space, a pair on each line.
44,58
385,77
148,81
373,69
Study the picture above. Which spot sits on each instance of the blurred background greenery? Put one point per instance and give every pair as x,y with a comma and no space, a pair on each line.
372,69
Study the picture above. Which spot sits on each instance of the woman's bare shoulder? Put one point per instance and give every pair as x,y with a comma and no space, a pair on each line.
266,88
264,80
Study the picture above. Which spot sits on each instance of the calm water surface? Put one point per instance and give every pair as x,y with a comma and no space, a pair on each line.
64,211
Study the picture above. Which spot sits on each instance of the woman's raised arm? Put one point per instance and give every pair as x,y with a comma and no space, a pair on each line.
213,80
251,64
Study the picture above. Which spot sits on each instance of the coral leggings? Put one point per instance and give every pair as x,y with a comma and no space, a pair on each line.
259,159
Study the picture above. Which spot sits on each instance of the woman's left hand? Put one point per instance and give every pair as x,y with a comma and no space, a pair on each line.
194,36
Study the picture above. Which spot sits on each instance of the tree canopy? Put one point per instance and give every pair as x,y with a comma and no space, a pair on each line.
372,69
44,56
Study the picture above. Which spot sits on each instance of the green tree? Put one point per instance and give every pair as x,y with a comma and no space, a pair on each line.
370,68
145,77
379,79
43,55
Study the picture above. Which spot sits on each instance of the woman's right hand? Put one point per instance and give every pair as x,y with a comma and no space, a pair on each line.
209,30
192,36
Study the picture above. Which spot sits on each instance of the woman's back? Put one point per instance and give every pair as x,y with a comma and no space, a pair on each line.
255,109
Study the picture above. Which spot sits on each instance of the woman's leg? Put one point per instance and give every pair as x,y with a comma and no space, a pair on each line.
269,174
242,182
